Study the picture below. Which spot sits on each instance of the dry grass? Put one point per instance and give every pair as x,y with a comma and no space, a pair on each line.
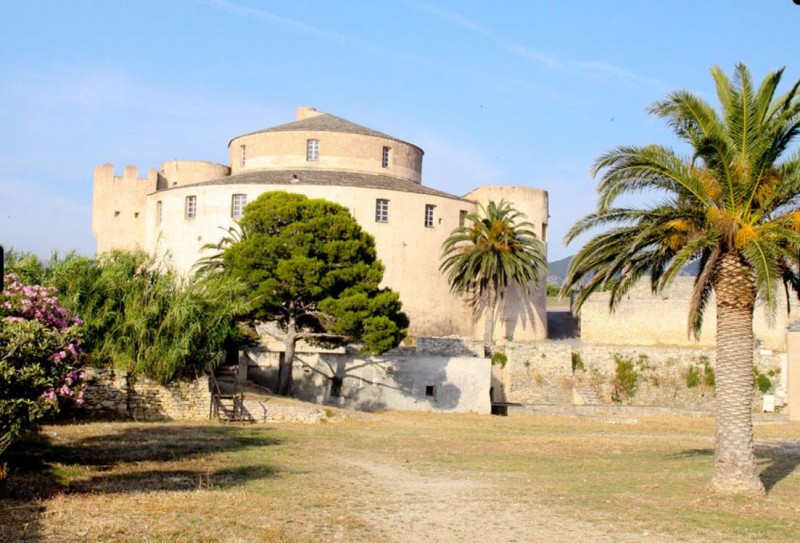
213,482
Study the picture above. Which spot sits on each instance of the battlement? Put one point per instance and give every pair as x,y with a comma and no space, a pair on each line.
119,206
130,174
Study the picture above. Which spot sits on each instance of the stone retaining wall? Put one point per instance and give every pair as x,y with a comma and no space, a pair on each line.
542,373
114,394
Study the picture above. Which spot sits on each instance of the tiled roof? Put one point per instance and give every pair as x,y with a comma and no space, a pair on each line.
325,178
325,122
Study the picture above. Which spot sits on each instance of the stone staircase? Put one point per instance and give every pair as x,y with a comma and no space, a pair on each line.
584,394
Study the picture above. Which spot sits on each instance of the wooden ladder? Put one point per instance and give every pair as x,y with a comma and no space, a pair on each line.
227,401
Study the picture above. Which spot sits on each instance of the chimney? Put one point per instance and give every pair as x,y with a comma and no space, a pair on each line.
306,112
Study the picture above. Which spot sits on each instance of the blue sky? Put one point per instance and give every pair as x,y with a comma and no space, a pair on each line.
504,92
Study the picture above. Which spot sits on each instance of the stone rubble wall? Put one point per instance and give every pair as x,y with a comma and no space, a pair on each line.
272,411
542,373
113,394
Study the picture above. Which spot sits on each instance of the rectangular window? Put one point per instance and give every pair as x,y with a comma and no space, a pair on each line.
429,215
191,207
159,213
462,217
544,232
238,201
312,150
244,154
381,210
385,158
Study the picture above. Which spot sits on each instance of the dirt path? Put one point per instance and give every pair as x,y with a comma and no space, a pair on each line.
405,505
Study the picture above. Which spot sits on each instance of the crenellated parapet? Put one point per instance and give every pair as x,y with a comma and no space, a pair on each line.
119,205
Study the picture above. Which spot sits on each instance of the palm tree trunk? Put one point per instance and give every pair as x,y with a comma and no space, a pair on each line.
286,363
488,329
734,460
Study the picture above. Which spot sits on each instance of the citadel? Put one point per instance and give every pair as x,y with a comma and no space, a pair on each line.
187,204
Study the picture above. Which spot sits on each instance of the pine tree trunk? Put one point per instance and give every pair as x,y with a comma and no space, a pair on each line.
734,459
286,363
488,329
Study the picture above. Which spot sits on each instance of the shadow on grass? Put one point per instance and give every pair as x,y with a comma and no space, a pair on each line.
157,442
37,465
781,460
109,463
179,480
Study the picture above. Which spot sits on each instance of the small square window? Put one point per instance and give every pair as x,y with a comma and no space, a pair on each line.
385,157
430,390
381,210
429,209
191,207
238,201
312,150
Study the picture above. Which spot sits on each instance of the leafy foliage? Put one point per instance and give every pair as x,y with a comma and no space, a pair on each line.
146,320
497,248
311,268
731,206
735,194
625,380
140,316
39,357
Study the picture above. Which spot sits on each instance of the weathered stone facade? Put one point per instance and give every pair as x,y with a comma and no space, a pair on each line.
114,394
564,373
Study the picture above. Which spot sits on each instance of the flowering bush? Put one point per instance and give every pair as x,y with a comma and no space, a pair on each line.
39,357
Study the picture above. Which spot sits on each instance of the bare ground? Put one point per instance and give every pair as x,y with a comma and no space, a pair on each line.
395,477
411,505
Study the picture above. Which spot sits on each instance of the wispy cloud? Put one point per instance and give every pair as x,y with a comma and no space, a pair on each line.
278,20
592,69
449,16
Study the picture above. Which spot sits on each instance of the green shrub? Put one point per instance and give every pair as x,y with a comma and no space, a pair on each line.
700,372
692,377
499,359
577,363
625,379
762,381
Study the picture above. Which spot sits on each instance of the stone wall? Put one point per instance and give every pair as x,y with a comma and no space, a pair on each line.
274,410
113,394
536,373
542,373
644,318
393,381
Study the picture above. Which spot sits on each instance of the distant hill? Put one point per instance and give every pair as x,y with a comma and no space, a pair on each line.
557,271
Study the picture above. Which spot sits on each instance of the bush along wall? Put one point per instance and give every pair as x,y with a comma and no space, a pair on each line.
679,378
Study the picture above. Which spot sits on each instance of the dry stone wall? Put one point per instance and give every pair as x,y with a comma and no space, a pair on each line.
564,373
115,394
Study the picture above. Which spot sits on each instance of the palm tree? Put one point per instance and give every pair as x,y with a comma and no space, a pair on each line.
496,248
732,206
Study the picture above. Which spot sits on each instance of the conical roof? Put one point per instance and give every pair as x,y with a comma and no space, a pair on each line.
325,122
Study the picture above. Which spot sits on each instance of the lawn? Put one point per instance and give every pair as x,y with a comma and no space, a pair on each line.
395,477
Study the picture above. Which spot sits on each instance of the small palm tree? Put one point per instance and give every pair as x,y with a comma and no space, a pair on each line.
497,248
732,206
